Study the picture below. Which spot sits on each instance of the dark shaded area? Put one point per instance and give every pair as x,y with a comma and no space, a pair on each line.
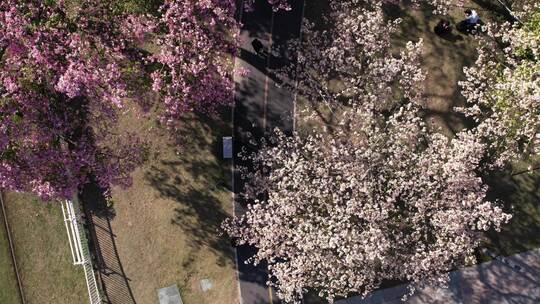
496,9
260,61
466,28
253,274
519,195
110,273
444,30
451,37
258,20
260,107
316,11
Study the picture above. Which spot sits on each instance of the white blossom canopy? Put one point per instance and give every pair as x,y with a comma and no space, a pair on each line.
503,87
387,202
379,198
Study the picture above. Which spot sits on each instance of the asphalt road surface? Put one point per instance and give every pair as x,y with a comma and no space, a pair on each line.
260,106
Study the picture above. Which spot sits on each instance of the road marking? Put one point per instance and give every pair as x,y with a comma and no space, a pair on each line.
270,294
265,102
267,79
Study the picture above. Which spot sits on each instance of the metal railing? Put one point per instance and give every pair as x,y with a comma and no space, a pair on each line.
78,245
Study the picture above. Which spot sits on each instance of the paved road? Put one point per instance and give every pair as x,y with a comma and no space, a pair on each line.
515,279
260,106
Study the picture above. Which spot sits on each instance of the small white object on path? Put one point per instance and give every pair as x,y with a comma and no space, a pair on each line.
227,147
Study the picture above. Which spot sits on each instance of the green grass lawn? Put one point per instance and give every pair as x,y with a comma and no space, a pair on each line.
42,250
166,225
9,293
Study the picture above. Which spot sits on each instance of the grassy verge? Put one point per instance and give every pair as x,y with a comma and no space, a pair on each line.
167,224
9,293
42,251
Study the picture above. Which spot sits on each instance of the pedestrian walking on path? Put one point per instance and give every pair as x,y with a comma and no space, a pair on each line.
258,47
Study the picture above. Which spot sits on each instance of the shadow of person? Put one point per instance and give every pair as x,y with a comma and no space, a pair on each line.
451,37
470,29
443,29
256,60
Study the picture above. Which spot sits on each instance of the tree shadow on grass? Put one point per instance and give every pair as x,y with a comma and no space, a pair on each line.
496,9
198,181
110,272
520,195
444,59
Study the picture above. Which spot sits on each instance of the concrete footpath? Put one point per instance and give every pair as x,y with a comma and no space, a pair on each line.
515,279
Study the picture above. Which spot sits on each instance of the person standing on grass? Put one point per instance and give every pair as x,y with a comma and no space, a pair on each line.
469,24
471,17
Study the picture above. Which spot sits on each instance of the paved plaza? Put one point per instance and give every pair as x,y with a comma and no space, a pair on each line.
513,280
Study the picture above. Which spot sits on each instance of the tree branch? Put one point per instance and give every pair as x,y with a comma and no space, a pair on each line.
526,171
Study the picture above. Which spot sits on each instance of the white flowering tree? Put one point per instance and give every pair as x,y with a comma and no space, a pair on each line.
377,199
354,60
503,87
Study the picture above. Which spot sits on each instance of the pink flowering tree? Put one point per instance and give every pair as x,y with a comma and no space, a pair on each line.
196,42
61,87
378,198
503,87
66,71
